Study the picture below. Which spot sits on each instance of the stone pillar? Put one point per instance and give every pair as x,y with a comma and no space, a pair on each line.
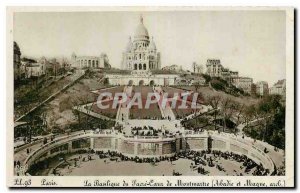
113,143
119,147
92,142
205,143
177,143
135,151
160,147
184,143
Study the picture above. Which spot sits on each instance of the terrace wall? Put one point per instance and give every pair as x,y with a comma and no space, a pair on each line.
162,79
149,147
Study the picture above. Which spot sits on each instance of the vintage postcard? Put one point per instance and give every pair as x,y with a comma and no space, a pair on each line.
150,97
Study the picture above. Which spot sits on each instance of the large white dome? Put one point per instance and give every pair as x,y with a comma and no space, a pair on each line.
141,32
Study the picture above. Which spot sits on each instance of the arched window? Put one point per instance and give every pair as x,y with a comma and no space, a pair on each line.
135,66
144,66
93,63
140,56
97,63
140,67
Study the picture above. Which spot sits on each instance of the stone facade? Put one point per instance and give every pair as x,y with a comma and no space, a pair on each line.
262,88
142,79
90,61
216,69
244,83
35,70
141,53
140,59
279,88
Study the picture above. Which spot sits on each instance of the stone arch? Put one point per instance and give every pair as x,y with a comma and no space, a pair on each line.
93,63
141,82
152,83
130,82
145,66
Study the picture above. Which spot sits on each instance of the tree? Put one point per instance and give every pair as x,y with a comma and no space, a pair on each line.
239,110
227,109
249,113
269,118
214,101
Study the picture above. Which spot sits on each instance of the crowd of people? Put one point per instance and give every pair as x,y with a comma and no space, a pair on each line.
201,160
208,157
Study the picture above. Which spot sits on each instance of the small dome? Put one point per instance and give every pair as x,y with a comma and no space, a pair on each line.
141,31
152,45
129,45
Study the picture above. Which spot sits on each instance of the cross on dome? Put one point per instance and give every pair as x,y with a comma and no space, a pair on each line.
141,18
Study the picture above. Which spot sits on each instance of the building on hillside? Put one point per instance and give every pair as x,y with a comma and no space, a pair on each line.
199,81
141,63
173,67
90,61
216,69
253,89
244,83
17,62
141,53
35,70
262,88
279,88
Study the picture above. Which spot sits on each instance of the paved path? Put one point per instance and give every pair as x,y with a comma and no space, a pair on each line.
167,111
22,154
123,111
85,109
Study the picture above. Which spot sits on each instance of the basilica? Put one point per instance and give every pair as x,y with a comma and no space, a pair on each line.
141,53
141,62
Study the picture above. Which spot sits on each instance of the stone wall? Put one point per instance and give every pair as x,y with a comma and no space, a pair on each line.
218,144
196,143
148,149
102,143
153,147
168,148
163,80
127,147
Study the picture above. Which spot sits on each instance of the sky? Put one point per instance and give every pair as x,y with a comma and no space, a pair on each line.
251,42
